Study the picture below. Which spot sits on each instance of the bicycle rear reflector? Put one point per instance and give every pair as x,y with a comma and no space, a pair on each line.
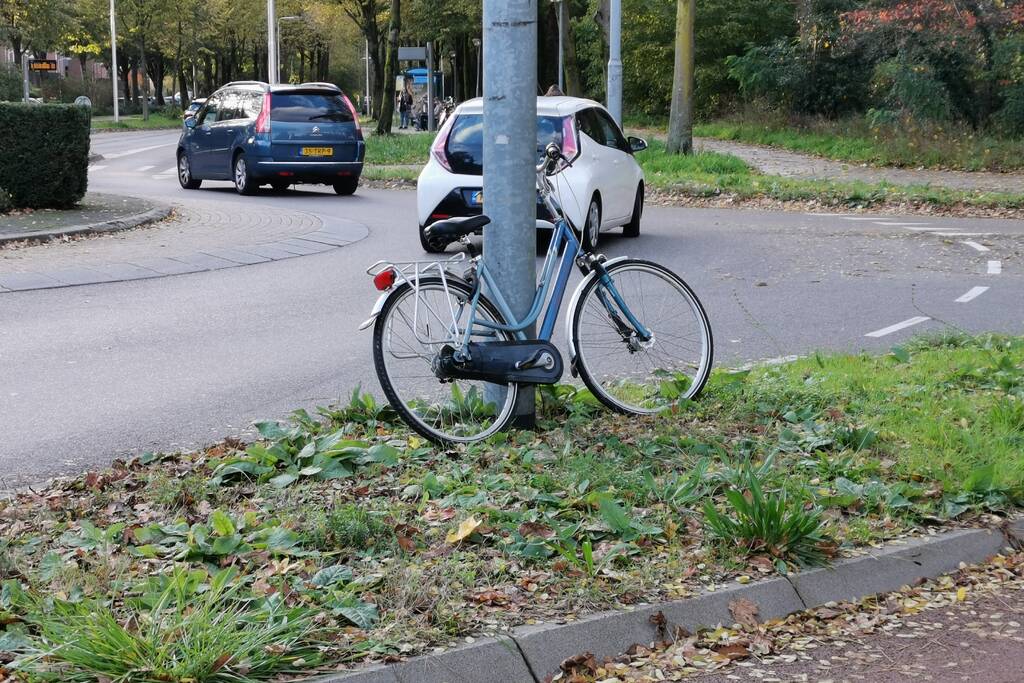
384,280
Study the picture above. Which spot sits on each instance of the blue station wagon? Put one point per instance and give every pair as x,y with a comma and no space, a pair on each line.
256,134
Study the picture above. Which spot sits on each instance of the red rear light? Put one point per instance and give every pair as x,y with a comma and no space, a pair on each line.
355,115
263,119
569,147
440,142
384,280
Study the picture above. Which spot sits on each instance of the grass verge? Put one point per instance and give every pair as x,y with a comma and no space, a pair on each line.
341,537
855,140
156,121
711,177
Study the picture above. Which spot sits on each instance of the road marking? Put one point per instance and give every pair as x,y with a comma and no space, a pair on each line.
973,294
859,218
118,155
974,245
827,215
898,326
961,234
143,169
899,225
94,167
173,170
924,229
995,267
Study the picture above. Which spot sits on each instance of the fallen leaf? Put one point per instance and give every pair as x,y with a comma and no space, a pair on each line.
220,662
961,594
734,651
744,612
466,528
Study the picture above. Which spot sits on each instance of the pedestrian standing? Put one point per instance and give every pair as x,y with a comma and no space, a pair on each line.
405,105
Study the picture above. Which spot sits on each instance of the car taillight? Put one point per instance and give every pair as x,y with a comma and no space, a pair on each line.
263,119
569,147
384,280
355,115
437,149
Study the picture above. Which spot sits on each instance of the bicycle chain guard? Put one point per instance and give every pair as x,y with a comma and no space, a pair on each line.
520,362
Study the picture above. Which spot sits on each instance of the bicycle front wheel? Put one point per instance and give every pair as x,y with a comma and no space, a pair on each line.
409,334
626,371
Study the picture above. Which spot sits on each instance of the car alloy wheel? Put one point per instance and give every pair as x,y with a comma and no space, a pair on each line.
185,173
592,227
243,183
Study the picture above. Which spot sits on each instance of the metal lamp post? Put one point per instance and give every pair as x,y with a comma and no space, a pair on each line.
455,77
479,61
562,26
277,78
113,60
615,61
272,70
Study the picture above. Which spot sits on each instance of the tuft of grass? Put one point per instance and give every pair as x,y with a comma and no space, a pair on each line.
350,527
157,120
182,633
769,523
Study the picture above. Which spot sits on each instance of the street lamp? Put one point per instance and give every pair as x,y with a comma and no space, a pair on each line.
455,78
479,61
272,70
562,26
279,20
113,59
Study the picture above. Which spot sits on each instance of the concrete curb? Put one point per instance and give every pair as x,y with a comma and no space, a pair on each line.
152,216
95,157
530,654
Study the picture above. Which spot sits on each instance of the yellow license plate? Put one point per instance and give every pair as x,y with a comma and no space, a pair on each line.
317,151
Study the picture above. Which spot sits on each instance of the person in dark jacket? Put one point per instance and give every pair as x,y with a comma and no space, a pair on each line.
405,104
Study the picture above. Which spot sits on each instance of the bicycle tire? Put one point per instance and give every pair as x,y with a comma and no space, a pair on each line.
400,293
582,354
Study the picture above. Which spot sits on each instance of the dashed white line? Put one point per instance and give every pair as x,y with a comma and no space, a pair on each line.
94,167
859,218
143,169
898,326
173,170
827,215
961,234
899,225
995,267
973,294
974,245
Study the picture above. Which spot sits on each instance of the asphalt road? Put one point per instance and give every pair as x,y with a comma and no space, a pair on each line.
95,372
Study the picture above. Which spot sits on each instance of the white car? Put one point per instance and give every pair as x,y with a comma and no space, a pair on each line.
603,189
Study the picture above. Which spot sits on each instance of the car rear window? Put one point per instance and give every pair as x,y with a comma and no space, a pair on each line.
302,107
465,146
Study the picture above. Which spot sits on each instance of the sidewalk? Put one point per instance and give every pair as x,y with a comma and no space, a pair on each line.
775,161
96,213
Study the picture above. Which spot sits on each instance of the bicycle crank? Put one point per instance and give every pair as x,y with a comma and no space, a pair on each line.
522,362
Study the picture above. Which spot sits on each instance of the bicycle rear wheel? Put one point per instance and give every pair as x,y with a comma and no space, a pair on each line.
625,372
407,338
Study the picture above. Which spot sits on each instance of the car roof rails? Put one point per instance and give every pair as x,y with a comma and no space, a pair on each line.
320,84
234,83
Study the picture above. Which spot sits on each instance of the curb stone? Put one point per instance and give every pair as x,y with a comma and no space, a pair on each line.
95,157
536,652
894,566
152,216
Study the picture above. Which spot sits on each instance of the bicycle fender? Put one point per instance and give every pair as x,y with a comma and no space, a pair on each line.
569,335
377,307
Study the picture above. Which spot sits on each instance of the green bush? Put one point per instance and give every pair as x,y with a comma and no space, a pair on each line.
45,154
5,201
10,83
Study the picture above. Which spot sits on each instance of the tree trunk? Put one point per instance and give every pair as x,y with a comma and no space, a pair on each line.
573,87
16,46
145,79
183,86
387,101
680,123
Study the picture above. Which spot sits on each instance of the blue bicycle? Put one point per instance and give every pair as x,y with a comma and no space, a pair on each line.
452,360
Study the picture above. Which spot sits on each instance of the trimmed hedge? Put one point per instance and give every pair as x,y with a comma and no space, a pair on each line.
45,158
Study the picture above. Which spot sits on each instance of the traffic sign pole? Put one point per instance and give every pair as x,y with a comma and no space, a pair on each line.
510,157
113,60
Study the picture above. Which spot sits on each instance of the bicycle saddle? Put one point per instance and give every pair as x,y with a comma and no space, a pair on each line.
447,231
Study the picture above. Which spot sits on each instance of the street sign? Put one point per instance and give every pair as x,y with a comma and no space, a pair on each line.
412,54
83,101
42,65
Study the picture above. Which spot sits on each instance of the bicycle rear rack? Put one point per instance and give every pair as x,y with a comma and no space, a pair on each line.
412,273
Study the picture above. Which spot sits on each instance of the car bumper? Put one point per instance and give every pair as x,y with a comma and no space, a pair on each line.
305,171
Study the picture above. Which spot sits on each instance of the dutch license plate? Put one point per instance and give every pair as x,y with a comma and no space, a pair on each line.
477,198
317,151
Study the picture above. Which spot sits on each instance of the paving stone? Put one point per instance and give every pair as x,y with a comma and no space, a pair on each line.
609,634
890,568
237,256
346,230
271,251
326,238
305,246
1015,531
78,276
119,272
167,266
17,282
206,261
